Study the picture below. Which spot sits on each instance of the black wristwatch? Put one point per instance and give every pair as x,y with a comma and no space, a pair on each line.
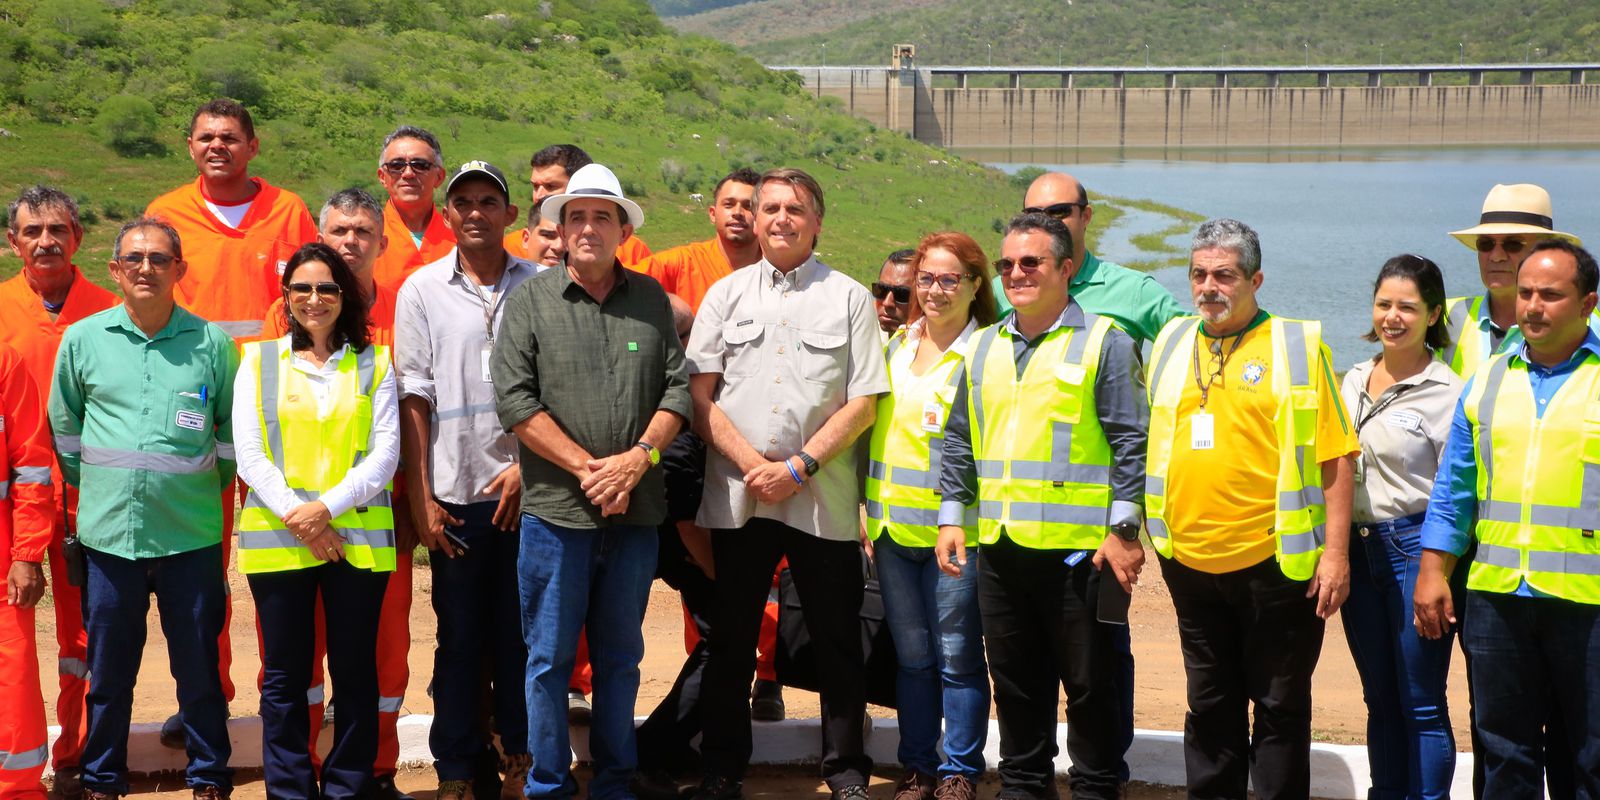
811,464
1126,531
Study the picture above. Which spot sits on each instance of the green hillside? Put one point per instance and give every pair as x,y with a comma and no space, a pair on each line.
95,96
1184,32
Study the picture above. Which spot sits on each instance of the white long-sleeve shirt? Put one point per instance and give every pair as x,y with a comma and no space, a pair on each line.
360,484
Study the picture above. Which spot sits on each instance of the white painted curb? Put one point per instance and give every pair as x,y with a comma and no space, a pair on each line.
1338,771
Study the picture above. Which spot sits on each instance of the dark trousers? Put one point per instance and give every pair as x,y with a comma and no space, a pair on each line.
286,605
1533,660
827,575
480,620
1249,637
663,738
1041,631
189,592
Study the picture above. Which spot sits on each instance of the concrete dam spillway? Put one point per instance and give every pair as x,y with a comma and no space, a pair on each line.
1172,116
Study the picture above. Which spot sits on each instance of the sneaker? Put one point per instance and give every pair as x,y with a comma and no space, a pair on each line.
915,786
653,784
766,701
67,784
854,791
515,766
956,787
209,792
383,788
717,787
453,790
578,709
172,734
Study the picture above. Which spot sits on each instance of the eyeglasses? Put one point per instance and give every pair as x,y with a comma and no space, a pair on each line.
902,294
1057,210
1486,244
158,261
947,283
1028,264
327,290
398,166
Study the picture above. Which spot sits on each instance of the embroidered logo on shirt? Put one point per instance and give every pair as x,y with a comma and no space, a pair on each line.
1254,371
190,420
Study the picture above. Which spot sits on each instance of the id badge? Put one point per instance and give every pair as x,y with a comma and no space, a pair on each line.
483,362
932,416
1361,468
1202,431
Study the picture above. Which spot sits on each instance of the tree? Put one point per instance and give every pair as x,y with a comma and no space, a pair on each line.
129,124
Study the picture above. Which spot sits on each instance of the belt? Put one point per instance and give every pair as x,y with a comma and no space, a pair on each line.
1391,526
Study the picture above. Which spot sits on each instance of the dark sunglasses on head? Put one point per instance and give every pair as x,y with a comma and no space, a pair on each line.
902,294
1511,246
1028,264
1057,210
327,290
157,260
398,166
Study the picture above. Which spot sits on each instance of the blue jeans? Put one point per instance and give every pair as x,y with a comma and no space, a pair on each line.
1533,658
570,578
480,633
116,598
938,640
1410,747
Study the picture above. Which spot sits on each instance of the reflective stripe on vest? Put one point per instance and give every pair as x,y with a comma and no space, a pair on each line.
1300,514
1538,482
901,492
23,759
265,543
1043,462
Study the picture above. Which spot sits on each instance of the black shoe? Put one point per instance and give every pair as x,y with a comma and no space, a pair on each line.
173,735
653,784
766,702
852,792
67,784
717,787
486,779
383,788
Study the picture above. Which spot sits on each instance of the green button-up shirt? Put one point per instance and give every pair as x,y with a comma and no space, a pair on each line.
143,428
1139,304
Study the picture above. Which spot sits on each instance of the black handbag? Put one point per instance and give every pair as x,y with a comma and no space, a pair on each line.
794,663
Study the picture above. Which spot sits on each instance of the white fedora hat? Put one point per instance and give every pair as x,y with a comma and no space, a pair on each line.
594,181
1512,209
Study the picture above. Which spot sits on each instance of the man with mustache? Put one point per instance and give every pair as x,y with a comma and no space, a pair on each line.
411,169
49,294
1248,499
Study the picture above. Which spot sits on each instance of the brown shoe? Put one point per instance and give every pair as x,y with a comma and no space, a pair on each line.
955,787
209,792
516,769
90,794
454,790
914,786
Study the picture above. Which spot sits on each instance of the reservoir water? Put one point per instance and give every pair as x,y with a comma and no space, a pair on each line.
1328,220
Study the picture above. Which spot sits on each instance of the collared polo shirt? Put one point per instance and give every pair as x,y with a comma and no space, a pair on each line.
792,349
443,326
1402,433
143,427
601,369
1140,305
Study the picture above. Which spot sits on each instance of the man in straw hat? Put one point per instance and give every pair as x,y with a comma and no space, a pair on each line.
1515,218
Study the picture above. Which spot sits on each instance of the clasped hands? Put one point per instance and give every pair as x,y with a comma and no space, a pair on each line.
772,481
608,482
313,525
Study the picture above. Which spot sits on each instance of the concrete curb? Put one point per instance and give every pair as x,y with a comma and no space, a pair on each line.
1338,772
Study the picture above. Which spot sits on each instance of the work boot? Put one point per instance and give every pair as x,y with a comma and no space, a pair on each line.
516,768
453,790
67,783
915,786
766,701
579,711
854,791
209,792
955,787
653,784
717,787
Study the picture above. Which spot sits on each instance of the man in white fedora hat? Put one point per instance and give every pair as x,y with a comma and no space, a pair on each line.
1515,218
589,374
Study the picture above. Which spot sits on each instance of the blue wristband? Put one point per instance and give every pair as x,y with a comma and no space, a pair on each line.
796,475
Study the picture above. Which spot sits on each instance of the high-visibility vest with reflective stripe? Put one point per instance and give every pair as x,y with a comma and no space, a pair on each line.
1538,481
1043,462
1300,515
314,451
1470,344
902,487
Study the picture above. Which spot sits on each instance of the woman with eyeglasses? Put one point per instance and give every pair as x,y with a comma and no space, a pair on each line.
933,617
316,429
1401,402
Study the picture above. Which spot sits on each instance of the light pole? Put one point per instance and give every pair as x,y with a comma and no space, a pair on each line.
1461,53
1147,55
824,55
1380,55
1224,55
1308,54
991,54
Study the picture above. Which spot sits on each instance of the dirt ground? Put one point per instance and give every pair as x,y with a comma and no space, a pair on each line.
1340,715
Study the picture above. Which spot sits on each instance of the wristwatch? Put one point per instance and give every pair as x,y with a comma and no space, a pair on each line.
811,464
1126,531
651,451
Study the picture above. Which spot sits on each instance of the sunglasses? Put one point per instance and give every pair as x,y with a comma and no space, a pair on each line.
327,290
902,294
948,283
1028,264
1486,244
159,261
398,166
1057,210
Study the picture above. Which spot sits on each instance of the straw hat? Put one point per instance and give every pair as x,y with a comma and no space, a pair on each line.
1511,209
592,181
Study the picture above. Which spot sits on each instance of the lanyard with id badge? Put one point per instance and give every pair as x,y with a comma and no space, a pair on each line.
490,303
1203,425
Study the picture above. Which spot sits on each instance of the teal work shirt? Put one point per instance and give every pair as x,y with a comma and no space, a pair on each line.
1139,304
143,428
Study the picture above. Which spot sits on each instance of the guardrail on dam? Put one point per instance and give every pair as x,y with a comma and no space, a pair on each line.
1222,107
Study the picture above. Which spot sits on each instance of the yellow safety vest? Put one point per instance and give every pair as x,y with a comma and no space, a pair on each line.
314,451
1300,515
1470,343
1538,482
1043,462
902,488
